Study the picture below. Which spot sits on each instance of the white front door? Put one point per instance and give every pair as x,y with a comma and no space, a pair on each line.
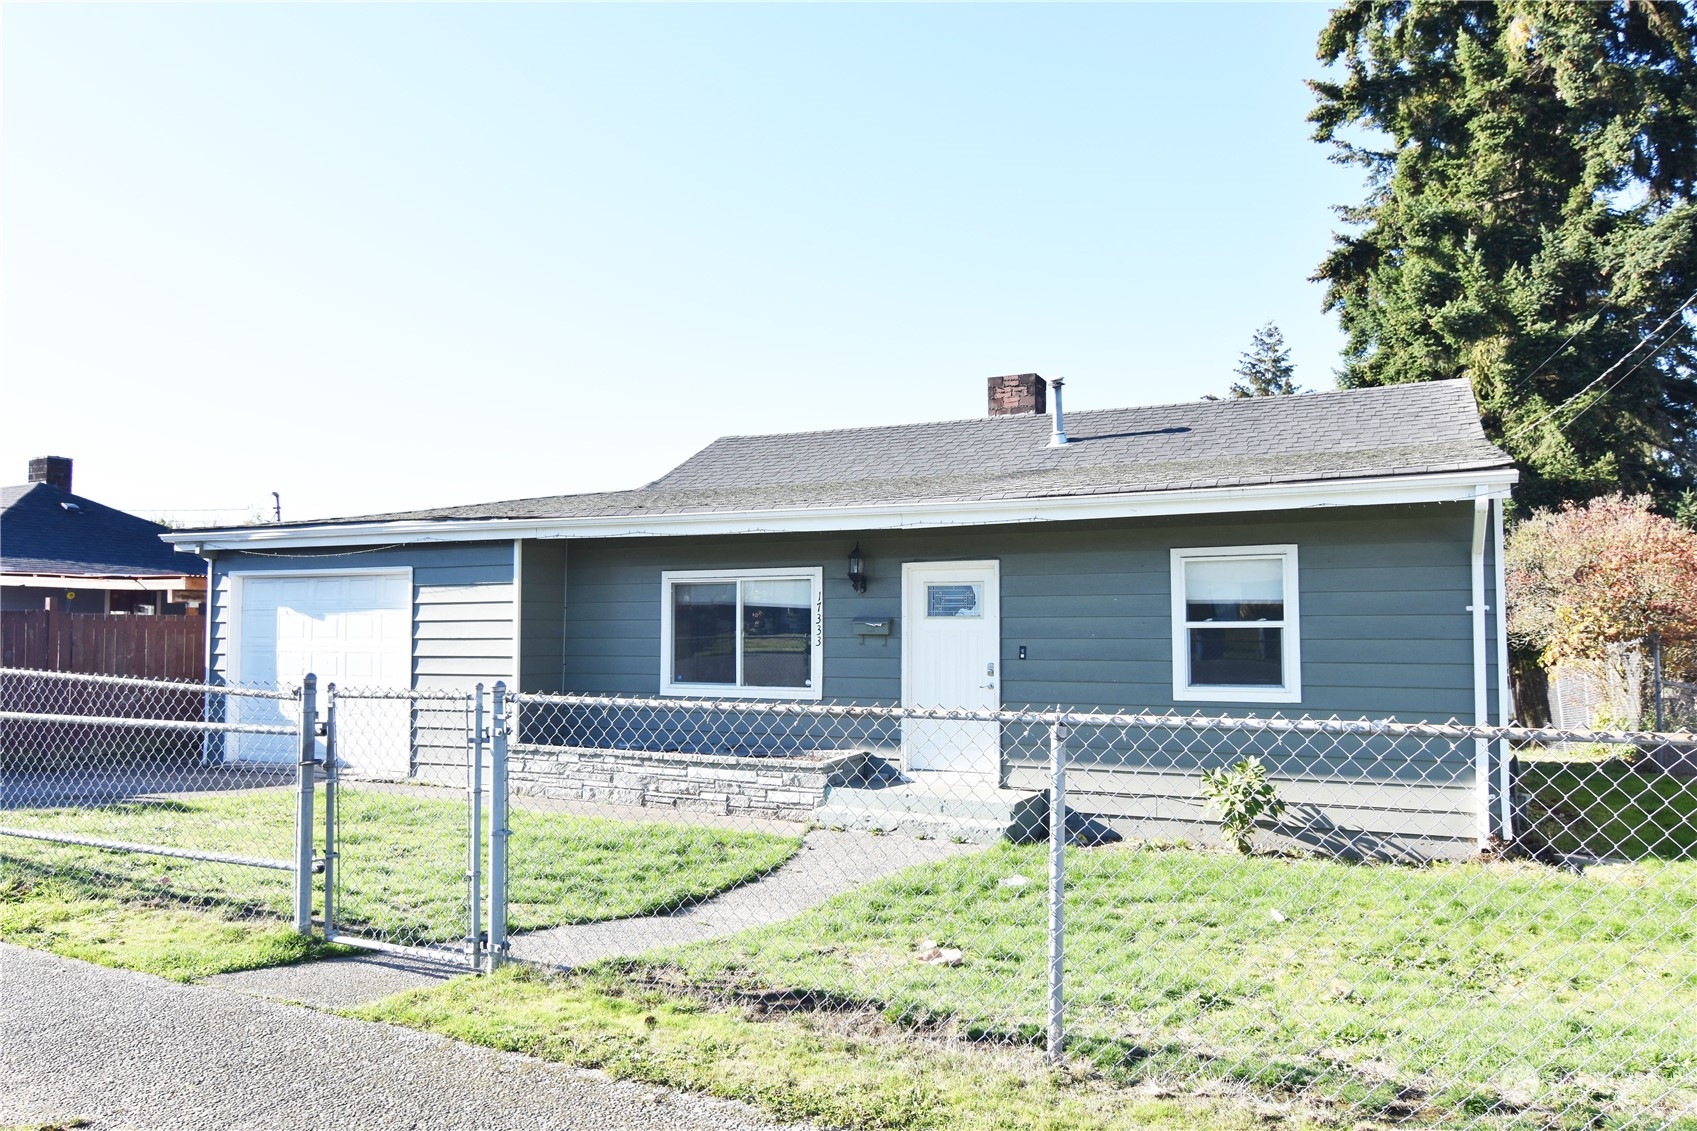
951,658
353,629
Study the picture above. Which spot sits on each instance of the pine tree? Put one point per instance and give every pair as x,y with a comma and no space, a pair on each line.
1266,367
1530,220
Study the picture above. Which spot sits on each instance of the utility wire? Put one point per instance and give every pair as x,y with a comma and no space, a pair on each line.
1540,367
1595,401
1595,381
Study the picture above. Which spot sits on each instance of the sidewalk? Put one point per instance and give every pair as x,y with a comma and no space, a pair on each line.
129,1050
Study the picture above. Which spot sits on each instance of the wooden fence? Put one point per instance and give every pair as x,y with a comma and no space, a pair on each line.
160,647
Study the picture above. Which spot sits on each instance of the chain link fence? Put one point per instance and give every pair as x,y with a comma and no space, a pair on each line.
1339,922
127,787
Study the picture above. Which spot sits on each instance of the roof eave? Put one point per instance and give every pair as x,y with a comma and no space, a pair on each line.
104,580
1449,486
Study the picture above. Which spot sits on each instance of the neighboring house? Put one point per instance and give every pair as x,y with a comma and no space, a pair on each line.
61,552
1327,554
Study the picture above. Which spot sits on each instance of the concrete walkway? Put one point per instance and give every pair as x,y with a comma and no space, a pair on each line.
125,1050
829,863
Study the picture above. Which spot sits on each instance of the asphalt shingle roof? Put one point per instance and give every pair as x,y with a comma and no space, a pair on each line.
1349,434
39,534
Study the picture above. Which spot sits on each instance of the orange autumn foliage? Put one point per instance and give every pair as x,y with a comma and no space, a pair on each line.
1610,572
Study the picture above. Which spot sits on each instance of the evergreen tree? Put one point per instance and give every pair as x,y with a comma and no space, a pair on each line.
1530,224
1266,368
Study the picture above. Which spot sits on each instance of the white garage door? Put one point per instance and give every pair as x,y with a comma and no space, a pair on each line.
353,629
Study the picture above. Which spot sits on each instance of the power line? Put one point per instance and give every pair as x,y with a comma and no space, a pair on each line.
1540,366
1619,380
1595,381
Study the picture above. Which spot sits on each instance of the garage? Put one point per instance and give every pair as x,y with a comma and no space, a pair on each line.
352,628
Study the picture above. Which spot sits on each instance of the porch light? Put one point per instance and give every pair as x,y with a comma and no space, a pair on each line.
857,569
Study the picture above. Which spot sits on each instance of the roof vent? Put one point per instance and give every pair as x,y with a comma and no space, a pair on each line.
1058,437
72,507
1017,394
55,471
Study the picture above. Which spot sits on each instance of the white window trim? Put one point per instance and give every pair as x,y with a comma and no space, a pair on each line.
814,575
1291,691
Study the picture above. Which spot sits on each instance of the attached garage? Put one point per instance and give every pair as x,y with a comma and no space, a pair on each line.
407,618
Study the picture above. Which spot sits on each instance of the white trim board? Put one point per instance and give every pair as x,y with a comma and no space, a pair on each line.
1381,491
155,584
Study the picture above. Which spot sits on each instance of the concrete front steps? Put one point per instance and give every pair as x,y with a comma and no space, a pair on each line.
965,808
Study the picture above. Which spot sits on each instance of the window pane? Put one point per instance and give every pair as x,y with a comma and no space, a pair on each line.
777,622
954,600
1236,657
704,632
1234,589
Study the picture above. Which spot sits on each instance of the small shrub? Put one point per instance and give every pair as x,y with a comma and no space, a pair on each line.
1243,795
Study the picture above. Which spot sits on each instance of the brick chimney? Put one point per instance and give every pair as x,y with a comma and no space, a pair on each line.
1017,394
55,471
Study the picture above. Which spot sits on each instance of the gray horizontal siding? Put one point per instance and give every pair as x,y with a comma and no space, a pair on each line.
462,605
1385,628
542,615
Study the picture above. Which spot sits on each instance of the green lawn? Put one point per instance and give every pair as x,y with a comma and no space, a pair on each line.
1496,987
117,927
863,1076
1606,808
402,860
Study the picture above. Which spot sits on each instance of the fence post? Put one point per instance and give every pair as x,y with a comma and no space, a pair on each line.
1057,886
474,852
1656,660
498,831
331,785
306,768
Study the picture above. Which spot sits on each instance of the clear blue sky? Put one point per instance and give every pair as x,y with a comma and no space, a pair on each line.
382,257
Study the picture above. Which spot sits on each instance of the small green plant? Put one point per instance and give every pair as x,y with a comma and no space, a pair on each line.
1243,795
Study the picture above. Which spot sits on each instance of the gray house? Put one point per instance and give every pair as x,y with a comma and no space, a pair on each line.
1332,554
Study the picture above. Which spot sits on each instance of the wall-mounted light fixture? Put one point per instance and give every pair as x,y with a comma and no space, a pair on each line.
857,569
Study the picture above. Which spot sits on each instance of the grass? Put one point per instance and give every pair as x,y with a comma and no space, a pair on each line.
1204,989
1509,987
858,1076
63,916
402,863
1607,808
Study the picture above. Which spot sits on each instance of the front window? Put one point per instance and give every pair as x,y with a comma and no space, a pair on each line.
742,633
1235,625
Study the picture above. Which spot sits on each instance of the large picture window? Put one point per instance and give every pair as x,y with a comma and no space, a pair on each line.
743,633
1235,625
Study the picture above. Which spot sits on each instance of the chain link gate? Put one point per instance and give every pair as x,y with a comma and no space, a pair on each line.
404,774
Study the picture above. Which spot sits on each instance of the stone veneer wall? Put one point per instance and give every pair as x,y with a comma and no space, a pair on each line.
788,789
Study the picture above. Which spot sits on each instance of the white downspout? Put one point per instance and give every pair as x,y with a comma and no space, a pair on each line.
1505,701
1481,678
208,612
518,612
565,607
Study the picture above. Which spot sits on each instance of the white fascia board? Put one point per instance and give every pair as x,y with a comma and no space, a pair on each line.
151,583
1385,491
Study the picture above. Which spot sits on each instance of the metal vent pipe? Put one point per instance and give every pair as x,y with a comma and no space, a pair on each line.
1059,437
